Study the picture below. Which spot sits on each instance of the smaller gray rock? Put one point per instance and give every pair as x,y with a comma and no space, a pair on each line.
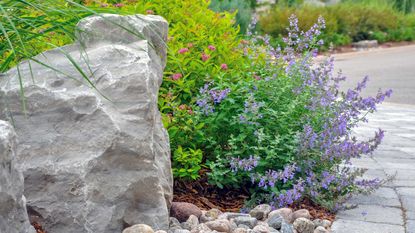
322,222
261,229
213,213
204,219
181,231
229,215
318,222
261,211
275,221
220,225
303,225
249,221
160,231
303,213
174,223
320,229
273,230
240,230
326,223
243,226
191,223
139,228
286,227
200,228
284,212
233,225
262,223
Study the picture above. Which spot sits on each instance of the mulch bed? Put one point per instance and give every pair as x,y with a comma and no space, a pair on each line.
206,196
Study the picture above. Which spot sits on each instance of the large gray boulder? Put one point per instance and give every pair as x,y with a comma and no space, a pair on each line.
13,214
94,160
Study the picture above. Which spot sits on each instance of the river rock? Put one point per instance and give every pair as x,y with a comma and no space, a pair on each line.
302,213
139,228
286,228
240,230
303,225
275,221
244,220
160,231
322,222
201,228
94,159
243,226
261,229
181,231
320,229
283,212
220,225
213,213
191,223
261,211
183,210
13,213
204,219
230,215
326,223
273,230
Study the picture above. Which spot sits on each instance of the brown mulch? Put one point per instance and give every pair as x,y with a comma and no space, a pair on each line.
206,196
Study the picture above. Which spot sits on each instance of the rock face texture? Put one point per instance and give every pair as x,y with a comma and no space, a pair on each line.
13,214
94,159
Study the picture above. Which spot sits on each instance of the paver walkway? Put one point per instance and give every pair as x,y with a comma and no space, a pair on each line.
391,209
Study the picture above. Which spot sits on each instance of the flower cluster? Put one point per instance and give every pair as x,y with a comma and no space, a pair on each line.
244,164
271,177
209,97
251,113
183,50
290,196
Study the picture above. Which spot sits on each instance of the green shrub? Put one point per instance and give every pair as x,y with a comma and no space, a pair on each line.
346,22
243,7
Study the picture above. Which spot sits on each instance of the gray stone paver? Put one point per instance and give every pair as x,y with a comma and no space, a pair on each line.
410,226
374,214
384,196
410,215
391,209
353,226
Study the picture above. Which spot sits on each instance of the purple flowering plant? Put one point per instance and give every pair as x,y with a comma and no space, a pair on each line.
285,130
